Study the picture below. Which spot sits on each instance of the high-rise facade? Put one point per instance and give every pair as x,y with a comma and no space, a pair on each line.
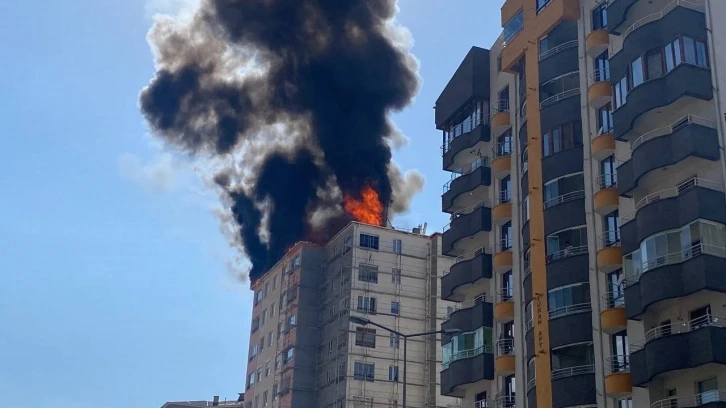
304,350
587,206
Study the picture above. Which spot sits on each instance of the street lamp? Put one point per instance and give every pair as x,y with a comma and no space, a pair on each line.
364,322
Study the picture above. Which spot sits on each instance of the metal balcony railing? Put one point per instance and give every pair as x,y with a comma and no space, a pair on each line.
505,294
672,192
512,28
557,49
691,400
529,325
467,169
677,328
523,111
503,149
505,401
467,304
608,239
500,106
566,253
462,354
655,17
617,364
527,271
572,371
468,256
505,347
504,244
504,197
667,130
558,97
575,195
464,128
606,181
612,300
531,383
570,310
600,75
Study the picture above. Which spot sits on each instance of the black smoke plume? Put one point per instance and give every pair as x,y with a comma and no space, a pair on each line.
324,73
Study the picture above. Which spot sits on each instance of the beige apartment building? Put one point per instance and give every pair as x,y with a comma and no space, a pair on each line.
316,356
587,200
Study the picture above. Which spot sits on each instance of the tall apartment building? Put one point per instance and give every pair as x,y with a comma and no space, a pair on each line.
587,207
304,350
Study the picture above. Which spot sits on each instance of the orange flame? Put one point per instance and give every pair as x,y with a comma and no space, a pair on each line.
368,209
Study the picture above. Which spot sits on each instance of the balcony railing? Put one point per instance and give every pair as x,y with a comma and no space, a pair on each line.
500,106
672,258
462,354
570,310
575,195
505,294
566,253
468,256
503,148
672,192
466,211
527,271
505,347
678,328
504,197
606,181
608,239
667,130
505,401
572,371
504,244
600,75
558,97
617,364
531,383
612,300
477,404
467,304
465,170
691,400
529,325
523,111
655,17
557,49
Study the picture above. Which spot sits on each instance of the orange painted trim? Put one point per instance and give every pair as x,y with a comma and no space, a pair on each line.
618,384
597,41
603,145
504,310
607,197
610,256
504,365
502,211
502,259
613,320
501,119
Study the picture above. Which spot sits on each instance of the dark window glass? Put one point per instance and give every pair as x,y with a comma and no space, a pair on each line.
605,119
677,51
701,54
599,17
689,50
636,72
654,61
669,64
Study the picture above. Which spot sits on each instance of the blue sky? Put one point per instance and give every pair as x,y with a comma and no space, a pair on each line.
114,289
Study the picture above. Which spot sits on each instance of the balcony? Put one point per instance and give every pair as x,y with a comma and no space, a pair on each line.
562,58
597,42
708,399
457,152
609,252
606,198
504,361
467,230
673,276
502,211
502,163
464,273
689,344
689,137
503,256
501,117
612,314
618,382
573,386
504,308
468,186
470,315
600,92
564,211
693,199
568,266
470,366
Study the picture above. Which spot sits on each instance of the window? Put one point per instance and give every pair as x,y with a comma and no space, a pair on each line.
636,72
621,92
258,297
347,244
701,54
264,316
259,374
608,172
507,286
369,241
296,262
274,392
289,354
525,209
602,67
269,338
367,304
396,276
251,380
616,290
707,391
525,160
573,356
506,236
561,138
395,341
600,17
363,371
504,143
560,301
267,288
541,4
394,307
367,273
689,50
267,368
393,373
566,243
654,64
505,190
504,95
625,403
292,321
272,309
255,324
365,337
543,45
563,189
605,119
397,244
274,282
466,345
499,63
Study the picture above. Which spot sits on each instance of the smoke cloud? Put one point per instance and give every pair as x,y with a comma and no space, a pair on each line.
300,91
